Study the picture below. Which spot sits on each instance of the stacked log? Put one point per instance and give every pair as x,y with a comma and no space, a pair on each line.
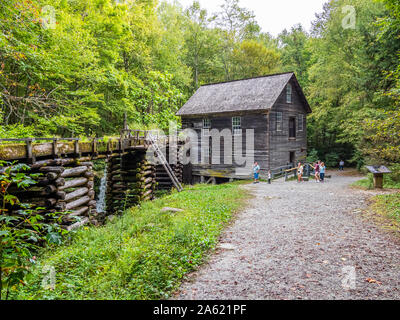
130,180
65,186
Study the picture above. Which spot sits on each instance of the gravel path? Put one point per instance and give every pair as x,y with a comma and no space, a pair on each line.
301,241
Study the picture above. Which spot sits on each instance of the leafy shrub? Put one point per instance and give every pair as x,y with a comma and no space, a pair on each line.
23,231
395,175
312,156
332,159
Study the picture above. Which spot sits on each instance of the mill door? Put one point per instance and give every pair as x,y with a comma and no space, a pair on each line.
292,157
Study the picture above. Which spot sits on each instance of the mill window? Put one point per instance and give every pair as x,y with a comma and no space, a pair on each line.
289,93
206,127
237,126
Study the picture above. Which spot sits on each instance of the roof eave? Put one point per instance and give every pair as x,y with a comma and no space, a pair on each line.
263,110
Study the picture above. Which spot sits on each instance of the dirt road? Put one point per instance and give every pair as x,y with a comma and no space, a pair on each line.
301,241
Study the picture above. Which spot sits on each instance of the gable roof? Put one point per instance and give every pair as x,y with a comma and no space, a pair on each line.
251,94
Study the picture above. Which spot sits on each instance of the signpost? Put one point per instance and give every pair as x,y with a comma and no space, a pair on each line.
378,172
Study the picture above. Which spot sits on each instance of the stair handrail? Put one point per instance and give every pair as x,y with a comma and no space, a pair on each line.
165,163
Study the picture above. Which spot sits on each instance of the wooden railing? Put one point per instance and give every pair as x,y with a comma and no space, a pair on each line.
308,169
28,149
280,171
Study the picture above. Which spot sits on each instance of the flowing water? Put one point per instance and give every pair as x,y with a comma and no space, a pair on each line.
101,200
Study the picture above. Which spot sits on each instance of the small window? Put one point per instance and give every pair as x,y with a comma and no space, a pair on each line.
206,127
292,127
301,122
237,126
279,121
289,93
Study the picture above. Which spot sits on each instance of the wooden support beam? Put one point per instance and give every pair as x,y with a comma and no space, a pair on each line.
75,213
74,172
75,183
77,193
52,169
77,203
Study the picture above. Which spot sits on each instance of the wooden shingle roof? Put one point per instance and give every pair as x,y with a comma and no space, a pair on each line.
240,95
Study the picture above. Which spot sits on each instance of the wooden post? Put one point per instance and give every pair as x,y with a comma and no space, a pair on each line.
55,148
76,148
378,180
29,154
94,148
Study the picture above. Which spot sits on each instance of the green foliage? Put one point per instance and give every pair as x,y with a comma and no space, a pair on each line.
102,59
389,206
143,254
312,156
252,59
332,159
80,75
296,53
366,183
21,233
348,77
382,138
73,68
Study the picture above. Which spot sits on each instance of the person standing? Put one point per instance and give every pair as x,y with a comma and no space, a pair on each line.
269,176
341,165
300,170
256,171
322,172
317,169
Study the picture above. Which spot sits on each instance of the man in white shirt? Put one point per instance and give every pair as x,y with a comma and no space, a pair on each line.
341,165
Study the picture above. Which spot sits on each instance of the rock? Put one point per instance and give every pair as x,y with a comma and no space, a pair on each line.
94,222
226,246
167,209
110,218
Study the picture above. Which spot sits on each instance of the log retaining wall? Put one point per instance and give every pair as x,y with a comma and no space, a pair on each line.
66,183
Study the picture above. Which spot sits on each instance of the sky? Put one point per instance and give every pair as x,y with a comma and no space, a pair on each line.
272,15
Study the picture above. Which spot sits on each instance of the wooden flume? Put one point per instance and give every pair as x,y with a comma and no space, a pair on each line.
66,181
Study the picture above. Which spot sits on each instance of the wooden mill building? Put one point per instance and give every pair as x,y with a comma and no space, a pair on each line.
274,106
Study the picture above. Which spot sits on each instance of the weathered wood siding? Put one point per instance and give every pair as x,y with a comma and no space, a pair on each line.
271,147
281,144
255,121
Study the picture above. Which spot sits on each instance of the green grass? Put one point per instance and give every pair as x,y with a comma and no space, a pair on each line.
144,254
367,183
385,206
388,206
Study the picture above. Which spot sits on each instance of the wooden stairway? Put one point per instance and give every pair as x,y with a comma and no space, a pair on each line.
165,163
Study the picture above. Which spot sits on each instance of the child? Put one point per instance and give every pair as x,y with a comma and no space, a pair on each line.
322,172
269,176
256,170
300,169
317,169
